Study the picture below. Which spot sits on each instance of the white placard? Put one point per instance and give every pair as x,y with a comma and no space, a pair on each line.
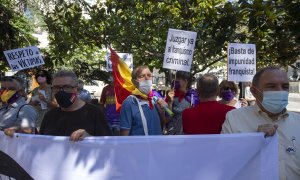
179,50
126,57
241,62
24,58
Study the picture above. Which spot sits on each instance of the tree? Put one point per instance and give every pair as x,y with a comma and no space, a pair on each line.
141,30
78,31
274,27
15,29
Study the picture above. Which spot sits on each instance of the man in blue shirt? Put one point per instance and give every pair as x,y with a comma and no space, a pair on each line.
139,116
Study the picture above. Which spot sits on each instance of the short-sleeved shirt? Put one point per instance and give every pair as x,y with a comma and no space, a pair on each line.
174,126
130,118
205,118
248,119
57,122
8,115
108,98
85,95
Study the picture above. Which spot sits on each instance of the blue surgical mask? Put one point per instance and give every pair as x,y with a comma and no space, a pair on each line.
275,101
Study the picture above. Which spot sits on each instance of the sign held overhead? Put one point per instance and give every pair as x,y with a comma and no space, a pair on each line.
241,64
24,58
179,50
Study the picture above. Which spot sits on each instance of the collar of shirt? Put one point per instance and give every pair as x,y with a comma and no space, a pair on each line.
17,103
282,116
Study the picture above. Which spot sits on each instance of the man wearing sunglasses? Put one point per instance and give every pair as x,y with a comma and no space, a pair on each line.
15,112
73,117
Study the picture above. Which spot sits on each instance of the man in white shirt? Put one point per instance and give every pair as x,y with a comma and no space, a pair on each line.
270,87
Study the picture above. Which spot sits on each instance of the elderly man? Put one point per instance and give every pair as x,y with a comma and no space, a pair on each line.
208,116
74,117
270,87
15,112
139,116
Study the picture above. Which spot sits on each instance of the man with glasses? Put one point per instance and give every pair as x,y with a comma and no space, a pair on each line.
14,111
139,115
73,117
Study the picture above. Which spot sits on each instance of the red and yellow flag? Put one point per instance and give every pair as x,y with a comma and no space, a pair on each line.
122,79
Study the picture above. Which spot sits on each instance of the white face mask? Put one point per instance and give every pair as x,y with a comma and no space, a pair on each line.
145,86
275,101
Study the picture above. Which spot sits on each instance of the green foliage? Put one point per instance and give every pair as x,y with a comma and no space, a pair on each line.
78,31
274,27
15,29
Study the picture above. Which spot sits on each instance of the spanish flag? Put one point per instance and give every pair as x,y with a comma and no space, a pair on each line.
122,79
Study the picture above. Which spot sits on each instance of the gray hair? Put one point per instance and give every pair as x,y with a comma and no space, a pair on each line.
19,81
207,85
258,74
67,73
135,73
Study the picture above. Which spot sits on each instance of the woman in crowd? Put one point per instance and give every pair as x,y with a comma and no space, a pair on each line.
41,97
139,114
179,98
228,92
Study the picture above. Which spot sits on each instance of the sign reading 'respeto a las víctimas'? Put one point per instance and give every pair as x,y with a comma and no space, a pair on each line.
24,58
241,62
179,50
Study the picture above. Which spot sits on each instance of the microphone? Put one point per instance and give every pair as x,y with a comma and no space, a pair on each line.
168,111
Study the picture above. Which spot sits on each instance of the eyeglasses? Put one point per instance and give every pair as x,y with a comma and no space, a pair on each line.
66,88
41,75
144,76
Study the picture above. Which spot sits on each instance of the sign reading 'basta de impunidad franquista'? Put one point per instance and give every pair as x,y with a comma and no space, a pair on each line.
241,62
24,58
179,50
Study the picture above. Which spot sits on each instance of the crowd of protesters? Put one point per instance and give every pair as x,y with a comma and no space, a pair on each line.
61,107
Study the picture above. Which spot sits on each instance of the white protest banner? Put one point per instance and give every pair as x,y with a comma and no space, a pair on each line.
241,65
179,50
229,156
24,58
126,57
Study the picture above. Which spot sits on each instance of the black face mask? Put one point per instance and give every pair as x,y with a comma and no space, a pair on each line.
65,99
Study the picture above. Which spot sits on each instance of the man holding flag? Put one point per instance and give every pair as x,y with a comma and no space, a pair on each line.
139,113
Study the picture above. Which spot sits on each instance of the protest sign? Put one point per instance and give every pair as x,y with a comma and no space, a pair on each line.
126,57
179,50
241,64
24,58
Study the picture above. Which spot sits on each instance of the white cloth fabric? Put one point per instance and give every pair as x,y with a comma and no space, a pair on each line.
248,119
213,157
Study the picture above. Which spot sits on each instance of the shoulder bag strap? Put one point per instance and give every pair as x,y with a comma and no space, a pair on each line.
144,121
20,109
